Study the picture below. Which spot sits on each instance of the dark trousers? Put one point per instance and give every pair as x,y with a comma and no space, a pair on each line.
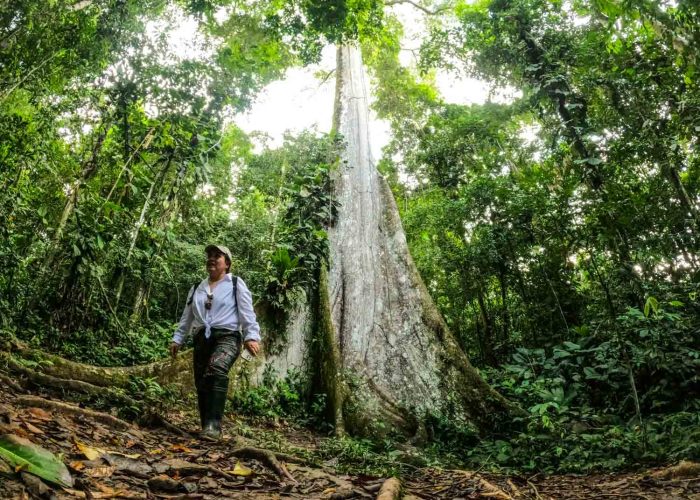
213,358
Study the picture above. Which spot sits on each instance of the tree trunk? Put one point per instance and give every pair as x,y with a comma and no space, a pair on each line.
86,173
486,337
398,360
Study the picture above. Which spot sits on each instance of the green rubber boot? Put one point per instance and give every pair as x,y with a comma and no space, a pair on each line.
216,401
202,406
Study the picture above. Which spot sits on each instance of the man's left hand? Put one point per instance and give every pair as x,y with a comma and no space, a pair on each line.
253,346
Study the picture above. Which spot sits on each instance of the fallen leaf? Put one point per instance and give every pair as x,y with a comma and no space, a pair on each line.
129,465
109,492
24,455
180,448
105,489
163,482
208,483
93,453
75,493
133,456
36,486
100,471
89,452
240,470
39,413
32,428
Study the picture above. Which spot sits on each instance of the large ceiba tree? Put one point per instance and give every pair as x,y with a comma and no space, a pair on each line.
373,338
370,338
400,359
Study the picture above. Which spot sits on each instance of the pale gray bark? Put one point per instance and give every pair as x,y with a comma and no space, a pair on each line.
397,360
376,307
371,338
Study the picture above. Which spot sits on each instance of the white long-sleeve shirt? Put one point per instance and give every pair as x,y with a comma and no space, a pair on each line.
222,313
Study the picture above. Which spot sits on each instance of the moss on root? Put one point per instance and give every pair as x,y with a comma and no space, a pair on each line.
326,355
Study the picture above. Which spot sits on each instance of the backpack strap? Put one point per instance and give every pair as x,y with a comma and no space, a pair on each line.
194,290
234,291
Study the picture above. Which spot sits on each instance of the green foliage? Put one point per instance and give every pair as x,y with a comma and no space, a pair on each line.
22,454
277,399
360,456
300,190
154,397
580,402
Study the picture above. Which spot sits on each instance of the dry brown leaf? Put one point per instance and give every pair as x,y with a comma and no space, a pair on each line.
209,483
32,428
106,489
132,456
39,413
77,465
75,493
100,471
21,432
111,494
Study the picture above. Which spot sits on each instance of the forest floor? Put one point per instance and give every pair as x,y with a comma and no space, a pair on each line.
108,458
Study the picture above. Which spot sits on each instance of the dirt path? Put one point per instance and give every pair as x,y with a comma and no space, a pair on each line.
161,462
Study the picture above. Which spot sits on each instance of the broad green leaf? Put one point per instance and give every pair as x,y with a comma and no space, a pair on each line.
22,453
651,305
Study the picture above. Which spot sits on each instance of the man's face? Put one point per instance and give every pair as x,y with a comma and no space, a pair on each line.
216,262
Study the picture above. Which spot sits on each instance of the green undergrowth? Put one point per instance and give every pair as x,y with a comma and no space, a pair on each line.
609,401
281,399
108,347
624,395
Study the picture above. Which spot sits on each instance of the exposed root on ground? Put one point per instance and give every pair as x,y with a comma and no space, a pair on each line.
683,470
105,418
266,457
43,380
10,383
158,420
166,371
390,490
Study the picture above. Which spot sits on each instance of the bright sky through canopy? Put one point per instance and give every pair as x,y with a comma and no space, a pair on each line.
303,101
